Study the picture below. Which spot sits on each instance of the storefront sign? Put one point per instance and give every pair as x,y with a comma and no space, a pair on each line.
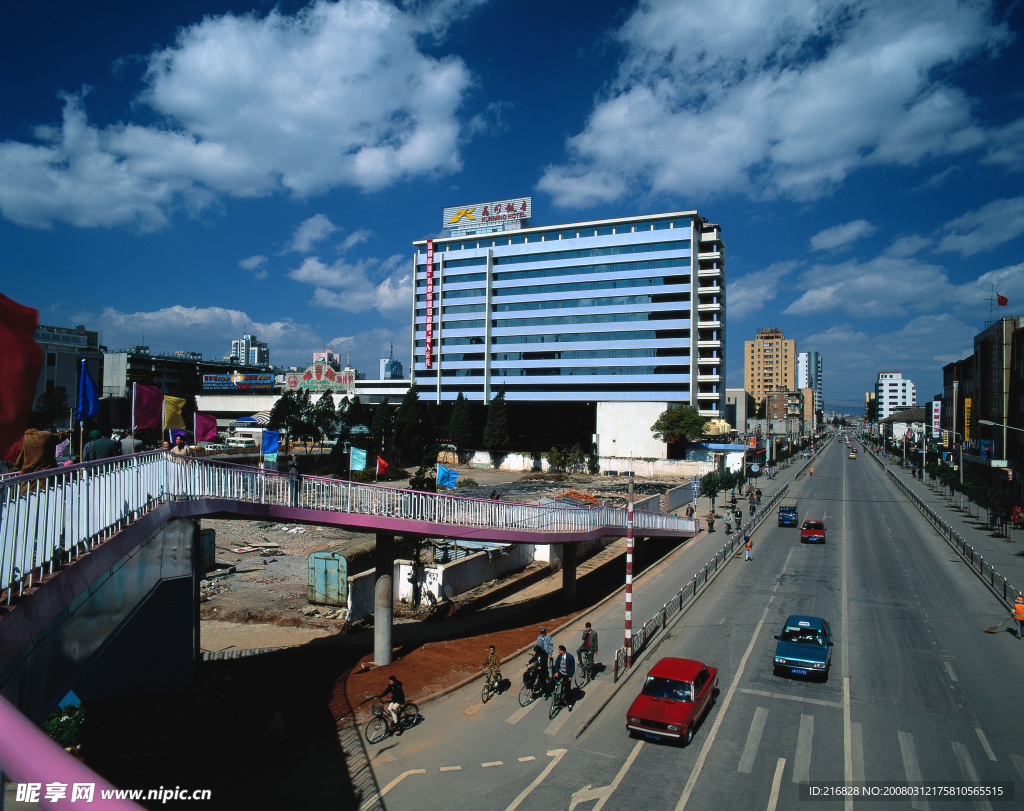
967,419
238,382
494,213
936,418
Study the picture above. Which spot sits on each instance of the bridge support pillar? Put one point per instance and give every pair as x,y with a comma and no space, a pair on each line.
383,599
569,574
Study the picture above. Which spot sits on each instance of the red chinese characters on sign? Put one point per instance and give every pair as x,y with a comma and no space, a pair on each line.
429,347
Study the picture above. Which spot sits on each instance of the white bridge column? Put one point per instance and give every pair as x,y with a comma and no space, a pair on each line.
383,598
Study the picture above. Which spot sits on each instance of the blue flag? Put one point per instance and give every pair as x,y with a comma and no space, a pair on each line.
88,394
271,439
358,459
446,476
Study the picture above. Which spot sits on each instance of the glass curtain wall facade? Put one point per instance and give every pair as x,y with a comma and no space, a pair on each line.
626,310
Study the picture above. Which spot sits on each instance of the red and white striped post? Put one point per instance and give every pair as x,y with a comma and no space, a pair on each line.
629,576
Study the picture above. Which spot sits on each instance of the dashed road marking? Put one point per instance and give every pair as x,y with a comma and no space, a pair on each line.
556,755
492,763
773,798
911,767
451,768
753,740
967,767
525,759
804,739
984,744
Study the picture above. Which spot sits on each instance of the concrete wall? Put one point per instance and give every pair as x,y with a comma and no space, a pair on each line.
624,430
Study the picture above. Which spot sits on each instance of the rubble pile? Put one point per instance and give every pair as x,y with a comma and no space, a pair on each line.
208,589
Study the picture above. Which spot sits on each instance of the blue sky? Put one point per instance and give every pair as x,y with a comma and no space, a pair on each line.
176,173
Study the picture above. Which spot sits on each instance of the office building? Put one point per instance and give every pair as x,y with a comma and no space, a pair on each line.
250,352
63,347
808,376
602,323
892,392
390,369
769,363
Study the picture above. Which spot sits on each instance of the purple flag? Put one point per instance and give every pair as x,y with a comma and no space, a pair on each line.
147,407
206,427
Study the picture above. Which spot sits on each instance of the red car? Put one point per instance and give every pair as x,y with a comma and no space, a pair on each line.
812,532
676,695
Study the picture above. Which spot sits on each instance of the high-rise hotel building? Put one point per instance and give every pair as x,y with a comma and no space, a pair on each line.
769,363
615,319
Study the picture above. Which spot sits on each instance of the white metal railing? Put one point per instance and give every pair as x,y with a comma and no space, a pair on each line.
49,517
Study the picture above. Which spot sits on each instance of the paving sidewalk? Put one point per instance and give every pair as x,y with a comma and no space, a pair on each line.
1005,553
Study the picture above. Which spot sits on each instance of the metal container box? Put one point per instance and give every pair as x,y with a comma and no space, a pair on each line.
328,579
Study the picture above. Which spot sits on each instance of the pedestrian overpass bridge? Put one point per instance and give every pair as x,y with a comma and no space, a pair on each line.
99,562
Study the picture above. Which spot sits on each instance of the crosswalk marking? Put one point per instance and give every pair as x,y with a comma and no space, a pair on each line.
773,798
753,740
857,741
911,767
1018,763
984,744
967,767
802,758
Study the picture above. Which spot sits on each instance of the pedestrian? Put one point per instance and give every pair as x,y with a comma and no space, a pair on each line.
130,445
689,511
1015,515
38,450
101,446
296,480
588,646
179,448
757,495
748,544
1018,616
494,495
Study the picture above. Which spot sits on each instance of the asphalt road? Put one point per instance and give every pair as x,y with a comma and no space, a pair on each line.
918,693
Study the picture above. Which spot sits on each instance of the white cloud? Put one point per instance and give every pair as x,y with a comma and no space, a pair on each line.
338,94
907,246
256,264
750,294
984,229
839,236
369,284
311,232
786,98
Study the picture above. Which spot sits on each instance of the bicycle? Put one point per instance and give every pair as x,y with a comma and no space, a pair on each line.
559,697
533,685
492,685
584,669
380,726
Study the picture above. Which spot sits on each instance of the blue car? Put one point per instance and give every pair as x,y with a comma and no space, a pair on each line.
804,647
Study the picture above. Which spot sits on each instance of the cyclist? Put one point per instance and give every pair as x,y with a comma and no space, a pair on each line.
394,688
544,647
564,669
812,471
491,666
728,523
588,647
711,521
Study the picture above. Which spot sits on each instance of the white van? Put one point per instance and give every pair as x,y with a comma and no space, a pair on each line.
241,442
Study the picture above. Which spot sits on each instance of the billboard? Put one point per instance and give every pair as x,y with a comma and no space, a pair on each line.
482,214
239,381
936,418
429,348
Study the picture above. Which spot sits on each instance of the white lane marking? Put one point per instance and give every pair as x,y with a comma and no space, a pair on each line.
525,759
773,798
910,766
556,755
451,768
767,694
857,734
602,793
984,744
949,670
520,714
706,748
967,767
492,763
391,785
1018,763
753,740
802,760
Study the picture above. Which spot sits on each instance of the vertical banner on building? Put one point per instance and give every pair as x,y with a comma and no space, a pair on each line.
967,419
936,419
429,348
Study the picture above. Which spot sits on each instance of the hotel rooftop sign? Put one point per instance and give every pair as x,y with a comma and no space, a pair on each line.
497,212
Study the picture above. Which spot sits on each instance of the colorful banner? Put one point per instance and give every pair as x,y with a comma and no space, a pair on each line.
172,412
936,418
357,459
88,394
446,477
967,419
239,381
271,441
428,351
21,359
147,406
205,427
382,466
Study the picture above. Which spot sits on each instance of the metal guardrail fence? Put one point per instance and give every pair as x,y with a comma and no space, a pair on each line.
49,517
692,589
999,584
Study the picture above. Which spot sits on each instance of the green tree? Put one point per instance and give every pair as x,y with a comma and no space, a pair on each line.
711,486
52,410
286,414
679,423
410,429
496,433
323,416
460,429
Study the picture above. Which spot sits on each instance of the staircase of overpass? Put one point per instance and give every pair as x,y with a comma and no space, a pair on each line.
99,562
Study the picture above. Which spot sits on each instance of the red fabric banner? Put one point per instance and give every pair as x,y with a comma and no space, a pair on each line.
206,427
148,407
382,466
21,359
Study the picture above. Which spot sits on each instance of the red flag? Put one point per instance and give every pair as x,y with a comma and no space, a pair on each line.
147,407
382,466
1002,300
21,359
205,427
